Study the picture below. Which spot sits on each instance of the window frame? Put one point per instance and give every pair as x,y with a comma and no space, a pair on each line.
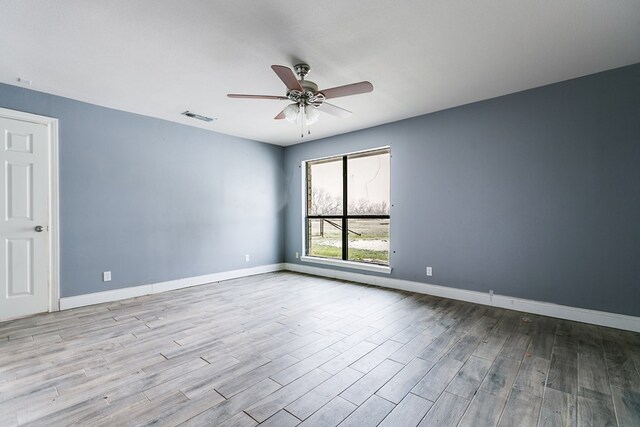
344,218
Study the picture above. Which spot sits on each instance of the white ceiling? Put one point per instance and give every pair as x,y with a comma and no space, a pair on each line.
161,57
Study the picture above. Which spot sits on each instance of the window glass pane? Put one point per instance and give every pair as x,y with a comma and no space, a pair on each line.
324,237
324,187
369,240
368,179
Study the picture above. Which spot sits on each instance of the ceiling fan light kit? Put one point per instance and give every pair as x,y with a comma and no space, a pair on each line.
308,101
291,112
295,112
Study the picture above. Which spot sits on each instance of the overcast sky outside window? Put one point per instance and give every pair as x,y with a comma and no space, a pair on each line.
368,178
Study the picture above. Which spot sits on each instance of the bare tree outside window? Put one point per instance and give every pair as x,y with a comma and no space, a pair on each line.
323,203
365,207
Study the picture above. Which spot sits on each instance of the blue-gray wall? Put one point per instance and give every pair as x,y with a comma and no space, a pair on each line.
152,200
534,194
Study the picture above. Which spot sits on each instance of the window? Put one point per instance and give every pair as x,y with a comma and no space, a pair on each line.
347,216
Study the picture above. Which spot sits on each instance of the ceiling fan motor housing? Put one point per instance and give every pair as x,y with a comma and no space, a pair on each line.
308,85
308,96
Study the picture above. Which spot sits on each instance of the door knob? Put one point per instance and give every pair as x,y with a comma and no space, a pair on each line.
39,228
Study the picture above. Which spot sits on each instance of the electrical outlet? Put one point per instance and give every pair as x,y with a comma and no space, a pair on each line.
106,276
429,271
297,255
247,257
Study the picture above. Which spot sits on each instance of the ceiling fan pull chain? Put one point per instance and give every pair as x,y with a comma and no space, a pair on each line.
302,120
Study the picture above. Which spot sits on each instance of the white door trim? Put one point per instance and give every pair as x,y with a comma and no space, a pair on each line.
53,205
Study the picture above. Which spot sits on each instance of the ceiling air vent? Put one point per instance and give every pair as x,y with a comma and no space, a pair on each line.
198,116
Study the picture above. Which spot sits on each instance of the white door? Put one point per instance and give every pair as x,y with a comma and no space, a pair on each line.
24,228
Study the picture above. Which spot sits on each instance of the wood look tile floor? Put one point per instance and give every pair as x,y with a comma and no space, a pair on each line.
285,349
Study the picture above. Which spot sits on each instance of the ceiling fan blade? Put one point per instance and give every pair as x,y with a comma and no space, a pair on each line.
352,89
334,110
237,95
288,78
280,115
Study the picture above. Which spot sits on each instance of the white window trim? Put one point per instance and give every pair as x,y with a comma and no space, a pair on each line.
328,261
347,264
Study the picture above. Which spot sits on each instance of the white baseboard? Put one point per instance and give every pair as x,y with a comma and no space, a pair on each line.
154,288
601,318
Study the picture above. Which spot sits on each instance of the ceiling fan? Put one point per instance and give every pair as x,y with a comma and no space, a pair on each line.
307,100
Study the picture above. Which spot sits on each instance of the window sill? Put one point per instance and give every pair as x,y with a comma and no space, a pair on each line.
347,264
